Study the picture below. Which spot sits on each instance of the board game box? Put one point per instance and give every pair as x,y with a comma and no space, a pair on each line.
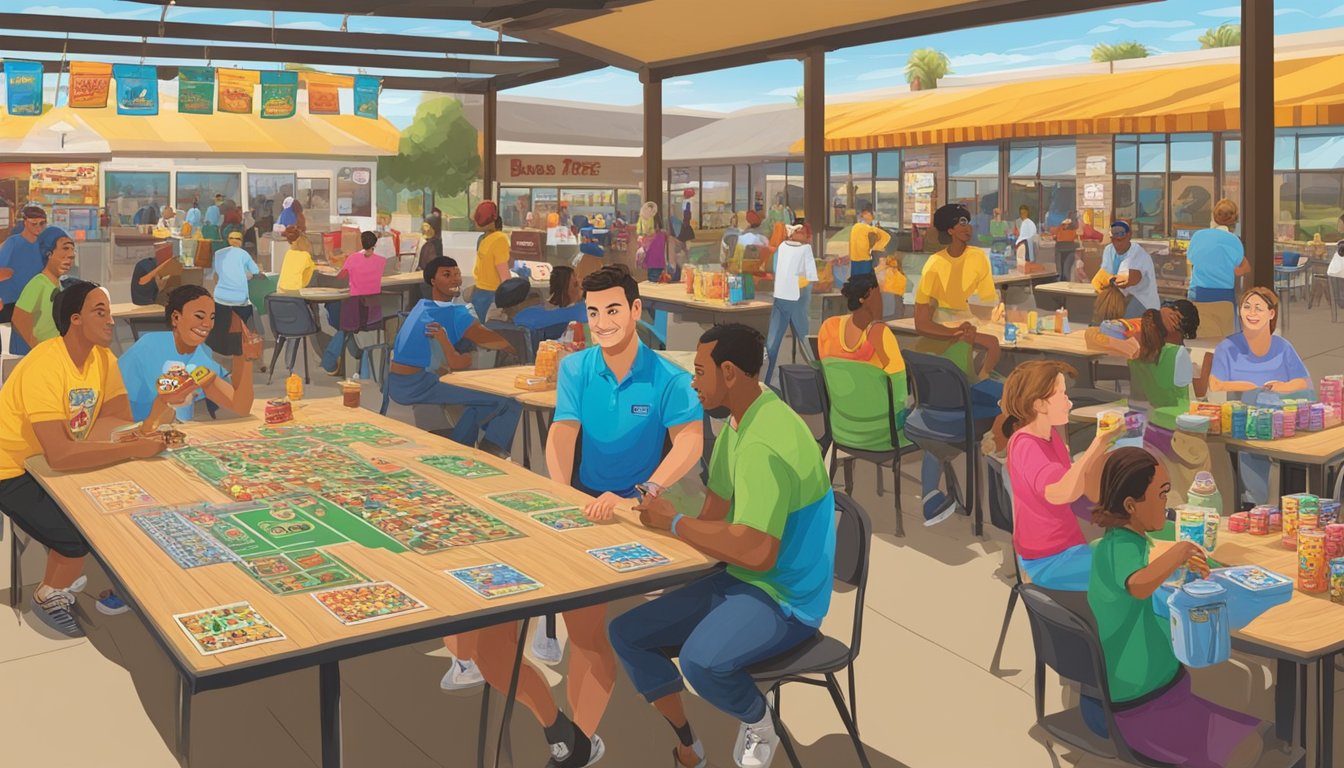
493,580
227,628
362,603
633,556
120,496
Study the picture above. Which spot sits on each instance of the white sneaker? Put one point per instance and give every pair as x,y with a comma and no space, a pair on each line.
545,649
78,585
756,744
464,674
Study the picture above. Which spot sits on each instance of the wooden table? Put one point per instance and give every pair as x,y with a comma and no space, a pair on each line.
157,588
1077,298
1071,345
1018,277
403,282
672,298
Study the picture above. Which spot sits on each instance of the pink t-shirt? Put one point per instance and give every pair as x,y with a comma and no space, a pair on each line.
365,272
1040,529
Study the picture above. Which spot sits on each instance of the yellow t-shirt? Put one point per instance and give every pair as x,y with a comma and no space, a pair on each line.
492,251
952,282
861,244
831,343
296,271
46,386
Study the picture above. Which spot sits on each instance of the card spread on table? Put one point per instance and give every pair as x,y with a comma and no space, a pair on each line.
461,466
227,628
629,557
563,519
182,541
367,602
527,502
494,580
120,496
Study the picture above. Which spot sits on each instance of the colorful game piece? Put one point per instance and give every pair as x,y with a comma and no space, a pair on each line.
363,603
494,580
461,466
526,501
624,558
120,496
227,628
563,519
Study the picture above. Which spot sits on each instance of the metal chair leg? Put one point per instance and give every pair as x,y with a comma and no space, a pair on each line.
15,567
853,698
275,355
784,740
834,688
849,476
305,361
896,491
1003,631
481,732
834,464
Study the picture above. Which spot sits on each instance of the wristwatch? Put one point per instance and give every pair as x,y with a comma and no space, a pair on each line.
654,490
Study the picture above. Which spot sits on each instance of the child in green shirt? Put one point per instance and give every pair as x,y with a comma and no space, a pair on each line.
34,320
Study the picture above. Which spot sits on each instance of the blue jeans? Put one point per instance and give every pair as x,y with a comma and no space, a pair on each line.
331,356
1067,571
498,416
655,274
1254,471
721,626
786,314
481,301
985,397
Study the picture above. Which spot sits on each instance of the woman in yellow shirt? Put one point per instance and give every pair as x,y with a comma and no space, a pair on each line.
492,258
296,270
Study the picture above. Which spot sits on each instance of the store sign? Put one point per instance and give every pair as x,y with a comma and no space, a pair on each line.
564,167
89,84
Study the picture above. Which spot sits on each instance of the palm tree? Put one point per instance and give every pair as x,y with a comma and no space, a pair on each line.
1225,36
1104,52
925,68
798,98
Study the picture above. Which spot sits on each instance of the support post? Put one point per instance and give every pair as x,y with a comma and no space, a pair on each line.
490,124
653,142
814,149
1257,138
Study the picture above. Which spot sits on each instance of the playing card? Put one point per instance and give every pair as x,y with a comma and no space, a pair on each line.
634,556
461,466
362,603
494,580
227,628
120,496
562,519
526,501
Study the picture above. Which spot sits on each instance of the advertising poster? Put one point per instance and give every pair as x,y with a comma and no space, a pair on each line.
196,90
137,89
235,90
323,99
89,83
366,95
23,83
65,183
279,94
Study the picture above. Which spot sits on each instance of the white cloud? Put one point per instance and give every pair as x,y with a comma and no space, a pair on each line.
679,83
1188,36
96,13
463,33
1286,11
836,60
1101,30
979,60
789,90
1038,46
720,106
1228,12
882,74
316,25
1152,23
1333,14
245,23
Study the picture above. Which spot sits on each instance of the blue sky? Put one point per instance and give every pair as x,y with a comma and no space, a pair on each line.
1171,26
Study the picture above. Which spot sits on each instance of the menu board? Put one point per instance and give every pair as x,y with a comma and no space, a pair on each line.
70,183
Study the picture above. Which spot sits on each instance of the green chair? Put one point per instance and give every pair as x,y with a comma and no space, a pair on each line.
258,289
867,420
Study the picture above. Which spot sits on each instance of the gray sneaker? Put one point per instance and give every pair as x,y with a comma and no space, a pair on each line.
55,612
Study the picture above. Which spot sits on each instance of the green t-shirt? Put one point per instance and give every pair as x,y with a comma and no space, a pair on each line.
1164,385
770,468
36,301
1135,640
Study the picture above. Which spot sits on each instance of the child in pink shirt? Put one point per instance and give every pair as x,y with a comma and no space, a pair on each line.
365,272
1046,484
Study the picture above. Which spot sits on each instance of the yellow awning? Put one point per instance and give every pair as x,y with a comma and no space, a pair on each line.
1307,92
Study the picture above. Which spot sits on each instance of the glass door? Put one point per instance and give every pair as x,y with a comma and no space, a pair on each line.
315,197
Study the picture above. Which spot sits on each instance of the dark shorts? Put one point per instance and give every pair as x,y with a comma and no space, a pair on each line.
33,511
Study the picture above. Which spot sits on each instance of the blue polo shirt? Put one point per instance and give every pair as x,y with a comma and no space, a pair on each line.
624,423
24,258
152,356
412,347
1214,257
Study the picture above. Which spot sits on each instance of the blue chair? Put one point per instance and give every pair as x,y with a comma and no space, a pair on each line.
291,323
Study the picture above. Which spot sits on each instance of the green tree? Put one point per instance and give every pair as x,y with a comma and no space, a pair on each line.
1104,52
437,152
798,98
925,68
1225,36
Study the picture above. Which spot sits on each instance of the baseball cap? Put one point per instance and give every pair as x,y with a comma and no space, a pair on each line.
485,213
1122,225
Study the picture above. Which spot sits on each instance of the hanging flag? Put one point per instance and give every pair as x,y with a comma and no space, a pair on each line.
196,90
279,94
23,83
137,89
89,82
235,90
367,89
324,94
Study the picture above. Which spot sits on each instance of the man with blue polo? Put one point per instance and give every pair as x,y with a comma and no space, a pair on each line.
20,261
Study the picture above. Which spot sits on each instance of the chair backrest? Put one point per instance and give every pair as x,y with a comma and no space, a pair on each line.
518,337
853,544
1000,499
1337,290
260,287
865,411
937,382
289,316
802,389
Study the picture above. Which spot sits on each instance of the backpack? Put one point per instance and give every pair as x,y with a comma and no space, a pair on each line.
144,295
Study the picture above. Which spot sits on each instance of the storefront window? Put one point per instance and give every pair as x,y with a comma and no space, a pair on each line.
1285,151
973,181
199,189
1192,153
742,188
796,188
1321,199
1150,218
887,188
354,192
1191,203
129,191
628,202
851,186
514,205
1320,151
716,196
1059,159
266,192
315,197
589,202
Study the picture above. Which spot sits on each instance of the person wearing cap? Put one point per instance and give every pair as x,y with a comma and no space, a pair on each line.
20,259
233,307
1217,258
795,268
492,257
864,239
33,319
214,214
952,278
1133,271
364,270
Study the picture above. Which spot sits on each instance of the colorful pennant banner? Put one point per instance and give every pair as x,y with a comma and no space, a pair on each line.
235,90
323,98
137,89
367,89
279,94
23,83
89,82
196,90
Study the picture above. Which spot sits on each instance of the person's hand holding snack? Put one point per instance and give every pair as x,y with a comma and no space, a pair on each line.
656,513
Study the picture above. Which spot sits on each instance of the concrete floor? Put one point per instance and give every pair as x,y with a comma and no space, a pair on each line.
927,694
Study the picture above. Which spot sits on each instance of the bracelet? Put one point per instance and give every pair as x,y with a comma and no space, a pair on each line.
676,519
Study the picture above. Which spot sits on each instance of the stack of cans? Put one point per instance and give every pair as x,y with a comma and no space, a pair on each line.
1337,580
1238,522
1257,520
1334,541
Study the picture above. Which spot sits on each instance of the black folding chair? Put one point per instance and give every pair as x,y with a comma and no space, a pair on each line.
292,324
941,423
802,389
1001,517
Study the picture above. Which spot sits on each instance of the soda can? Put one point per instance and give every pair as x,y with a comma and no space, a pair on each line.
1190,524
1237,522
1312,567
1257,521
1212,520
1337,580
1009,333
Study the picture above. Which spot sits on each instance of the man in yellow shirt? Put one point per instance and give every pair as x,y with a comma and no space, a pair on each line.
864,239
62,402
951,278
492,258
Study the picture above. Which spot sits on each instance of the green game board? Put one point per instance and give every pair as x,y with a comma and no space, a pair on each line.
337,434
